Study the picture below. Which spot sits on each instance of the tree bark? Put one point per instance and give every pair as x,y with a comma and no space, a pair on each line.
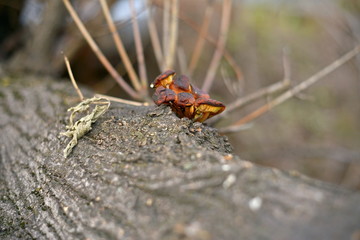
142,173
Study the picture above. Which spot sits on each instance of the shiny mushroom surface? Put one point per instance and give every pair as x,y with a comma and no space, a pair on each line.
164,79
206,108
163,96
185,100
181,84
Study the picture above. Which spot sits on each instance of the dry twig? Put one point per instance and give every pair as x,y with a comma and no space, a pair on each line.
295,90
98,52
166,28
73,79
120,46
182,59
173,33
138,46
119,100
199,45
220,46
230,60
267,91
155,41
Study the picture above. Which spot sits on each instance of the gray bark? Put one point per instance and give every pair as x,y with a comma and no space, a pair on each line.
142,173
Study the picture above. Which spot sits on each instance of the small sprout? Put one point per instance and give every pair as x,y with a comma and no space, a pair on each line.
164,79
207,108
163,96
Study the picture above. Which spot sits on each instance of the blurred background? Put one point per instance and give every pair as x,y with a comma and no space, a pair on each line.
316,133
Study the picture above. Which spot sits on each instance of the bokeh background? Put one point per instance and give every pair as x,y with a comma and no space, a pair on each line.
315,133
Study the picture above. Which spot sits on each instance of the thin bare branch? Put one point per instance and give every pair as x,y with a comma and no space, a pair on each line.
119,100
139,47
199,45
286,65
128,89
258,94
234,87
182,59
166,28
81,96
173,33
276,87
227,55
231,61
243,101
155,41
267,91
220,46
120,46
295,90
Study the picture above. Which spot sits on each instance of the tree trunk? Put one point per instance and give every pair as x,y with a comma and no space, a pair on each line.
142,173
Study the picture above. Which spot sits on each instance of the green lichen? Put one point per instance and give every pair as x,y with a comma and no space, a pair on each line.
82,126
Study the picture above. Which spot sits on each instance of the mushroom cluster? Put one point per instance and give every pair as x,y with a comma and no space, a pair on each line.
185,99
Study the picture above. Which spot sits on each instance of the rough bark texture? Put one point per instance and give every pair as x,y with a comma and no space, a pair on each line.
142,173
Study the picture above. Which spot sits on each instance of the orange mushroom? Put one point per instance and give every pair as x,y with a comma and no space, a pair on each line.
181,84
184,99
185,103
164,79
206,108
163,96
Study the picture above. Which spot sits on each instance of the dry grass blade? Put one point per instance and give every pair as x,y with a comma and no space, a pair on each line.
120,46
98,52
182,59
295,90
233,87
119,100
225,22
199,45
286,65
138,46
155,41
73,79
173,33
230,60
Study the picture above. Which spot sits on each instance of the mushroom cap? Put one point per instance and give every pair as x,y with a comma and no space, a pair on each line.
164,79
198,93
184,99
163,96
207,105
181,84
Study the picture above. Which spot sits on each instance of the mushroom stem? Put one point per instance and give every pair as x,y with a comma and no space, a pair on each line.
189,112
